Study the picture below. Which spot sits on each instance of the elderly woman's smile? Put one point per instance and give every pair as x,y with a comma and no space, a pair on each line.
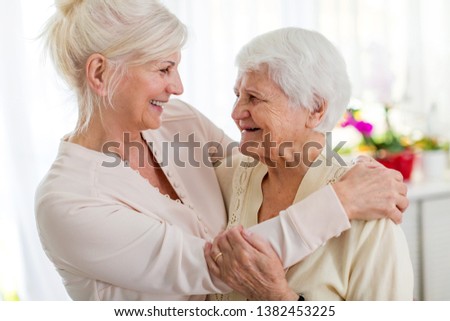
265,117
249,129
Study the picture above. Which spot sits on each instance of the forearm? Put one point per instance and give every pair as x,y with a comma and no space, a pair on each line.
138,255
304,226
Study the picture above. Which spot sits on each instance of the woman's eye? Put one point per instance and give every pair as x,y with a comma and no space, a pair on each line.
165,70
253,99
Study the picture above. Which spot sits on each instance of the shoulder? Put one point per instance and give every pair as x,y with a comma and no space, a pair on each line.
372,242
383,233
71,169
177,109
76,177
181,117
335,166
326,169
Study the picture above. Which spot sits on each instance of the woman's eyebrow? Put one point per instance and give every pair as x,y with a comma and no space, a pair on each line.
254,92
172,63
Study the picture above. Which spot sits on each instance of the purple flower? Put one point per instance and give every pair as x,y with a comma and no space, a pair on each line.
364,128
349,120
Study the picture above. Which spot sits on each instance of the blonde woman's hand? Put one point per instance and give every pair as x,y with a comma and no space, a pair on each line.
371,191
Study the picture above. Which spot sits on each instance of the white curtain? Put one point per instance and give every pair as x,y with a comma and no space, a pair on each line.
30,126
397,51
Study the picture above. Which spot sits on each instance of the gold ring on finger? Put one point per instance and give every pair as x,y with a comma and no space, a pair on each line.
217,256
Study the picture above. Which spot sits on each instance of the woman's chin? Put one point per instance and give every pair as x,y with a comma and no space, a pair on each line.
154,125
152,121
251,149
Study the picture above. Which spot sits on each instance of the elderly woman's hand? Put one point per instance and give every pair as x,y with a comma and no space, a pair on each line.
371,191
249,265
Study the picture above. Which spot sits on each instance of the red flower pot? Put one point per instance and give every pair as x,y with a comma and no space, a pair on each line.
401,161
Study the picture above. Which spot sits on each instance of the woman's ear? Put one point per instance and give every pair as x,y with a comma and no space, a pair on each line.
316,116
96,73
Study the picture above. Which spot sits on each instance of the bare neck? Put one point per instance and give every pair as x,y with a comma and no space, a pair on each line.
106,136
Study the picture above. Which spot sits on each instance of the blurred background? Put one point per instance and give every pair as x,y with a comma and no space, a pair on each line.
398,57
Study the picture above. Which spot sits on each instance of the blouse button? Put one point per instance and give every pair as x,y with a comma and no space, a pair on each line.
176,184
169,174
206,230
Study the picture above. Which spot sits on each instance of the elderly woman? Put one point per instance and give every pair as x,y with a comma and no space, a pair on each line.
124,215
292,87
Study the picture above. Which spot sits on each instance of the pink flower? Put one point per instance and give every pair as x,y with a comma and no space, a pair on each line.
363,127
349,120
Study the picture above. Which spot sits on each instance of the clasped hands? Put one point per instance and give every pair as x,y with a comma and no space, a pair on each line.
248,264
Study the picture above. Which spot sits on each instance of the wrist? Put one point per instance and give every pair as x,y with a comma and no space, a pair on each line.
290,295
344,199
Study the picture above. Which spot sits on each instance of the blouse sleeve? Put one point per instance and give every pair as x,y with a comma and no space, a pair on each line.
381,267
117,245
303,227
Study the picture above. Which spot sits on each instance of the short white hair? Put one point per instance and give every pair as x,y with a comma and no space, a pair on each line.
305,65
126,32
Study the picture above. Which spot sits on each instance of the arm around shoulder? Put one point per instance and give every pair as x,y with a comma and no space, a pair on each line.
303,227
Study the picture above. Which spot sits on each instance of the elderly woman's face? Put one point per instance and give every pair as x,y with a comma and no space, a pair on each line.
141,94
269,126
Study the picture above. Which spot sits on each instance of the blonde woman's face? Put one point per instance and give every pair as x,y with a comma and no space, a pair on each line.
143,92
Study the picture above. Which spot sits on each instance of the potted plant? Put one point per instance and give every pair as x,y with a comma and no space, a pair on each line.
389,149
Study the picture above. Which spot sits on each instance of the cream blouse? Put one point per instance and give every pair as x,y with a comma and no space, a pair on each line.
370,261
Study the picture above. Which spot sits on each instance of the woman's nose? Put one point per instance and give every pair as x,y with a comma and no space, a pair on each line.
176,85
239,111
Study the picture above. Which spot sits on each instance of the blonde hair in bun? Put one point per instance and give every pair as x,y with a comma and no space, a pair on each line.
67,6
125,32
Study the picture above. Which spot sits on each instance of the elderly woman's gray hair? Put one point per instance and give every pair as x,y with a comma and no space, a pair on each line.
126,32
305,65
